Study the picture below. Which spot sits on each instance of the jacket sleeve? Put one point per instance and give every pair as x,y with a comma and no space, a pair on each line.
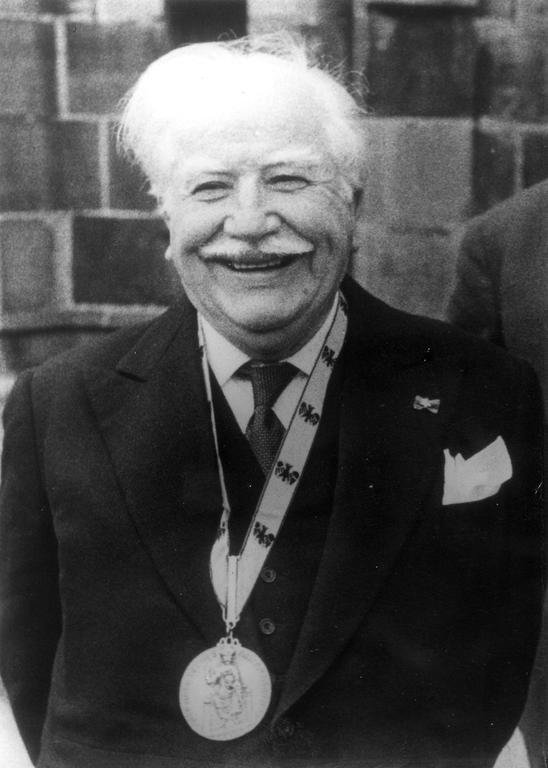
29,600
524,572
474,304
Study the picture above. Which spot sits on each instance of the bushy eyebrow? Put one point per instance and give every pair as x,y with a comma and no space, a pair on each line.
309,167
198,165
196,176
298,156
316,167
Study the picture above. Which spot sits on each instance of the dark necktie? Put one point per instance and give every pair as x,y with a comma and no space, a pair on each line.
265,431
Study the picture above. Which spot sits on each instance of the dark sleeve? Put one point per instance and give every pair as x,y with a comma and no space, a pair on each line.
533,723
29,599
474,304
523,576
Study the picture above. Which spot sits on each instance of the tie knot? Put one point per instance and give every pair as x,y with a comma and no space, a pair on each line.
268,380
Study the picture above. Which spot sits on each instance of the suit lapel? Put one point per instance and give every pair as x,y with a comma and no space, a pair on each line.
390,462
153,415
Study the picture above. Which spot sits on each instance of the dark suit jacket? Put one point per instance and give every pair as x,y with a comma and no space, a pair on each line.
420,632
501,292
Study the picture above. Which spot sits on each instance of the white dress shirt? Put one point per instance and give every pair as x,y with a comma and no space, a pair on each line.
225,360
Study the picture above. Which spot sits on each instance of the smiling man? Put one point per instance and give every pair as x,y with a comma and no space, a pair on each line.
283,524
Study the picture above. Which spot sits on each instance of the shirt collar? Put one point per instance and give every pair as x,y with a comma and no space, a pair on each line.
225,359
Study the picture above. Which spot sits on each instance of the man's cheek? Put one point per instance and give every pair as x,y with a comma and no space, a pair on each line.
330,228
313,223
326,205
186,240
194,225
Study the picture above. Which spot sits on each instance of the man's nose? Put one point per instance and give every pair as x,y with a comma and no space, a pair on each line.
250,216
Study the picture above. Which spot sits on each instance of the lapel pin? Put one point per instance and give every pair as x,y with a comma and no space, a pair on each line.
424,403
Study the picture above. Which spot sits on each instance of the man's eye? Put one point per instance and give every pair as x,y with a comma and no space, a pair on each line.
288,182
210,190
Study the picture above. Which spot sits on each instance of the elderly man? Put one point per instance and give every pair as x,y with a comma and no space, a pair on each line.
283,524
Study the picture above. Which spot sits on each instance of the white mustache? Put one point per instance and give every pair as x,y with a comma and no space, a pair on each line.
276,246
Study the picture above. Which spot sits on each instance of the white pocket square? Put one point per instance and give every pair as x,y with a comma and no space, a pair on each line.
479,476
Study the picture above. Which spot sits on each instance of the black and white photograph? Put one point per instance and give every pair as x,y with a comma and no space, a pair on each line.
273,312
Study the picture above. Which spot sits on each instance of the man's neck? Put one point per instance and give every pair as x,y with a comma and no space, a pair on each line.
225,357
277,345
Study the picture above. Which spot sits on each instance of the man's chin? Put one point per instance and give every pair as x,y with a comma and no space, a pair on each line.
265,311
266,334
266,325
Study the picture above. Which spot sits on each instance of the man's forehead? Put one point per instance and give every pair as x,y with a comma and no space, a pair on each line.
227,160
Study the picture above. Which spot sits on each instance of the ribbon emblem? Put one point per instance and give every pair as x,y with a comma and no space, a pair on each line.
424,403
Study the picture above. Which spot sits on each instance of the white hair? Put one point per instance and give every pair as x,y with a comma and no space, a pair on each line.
187,89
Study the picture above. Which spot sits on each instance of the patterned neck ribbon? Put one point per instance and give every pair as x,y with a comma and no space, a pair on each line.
234,576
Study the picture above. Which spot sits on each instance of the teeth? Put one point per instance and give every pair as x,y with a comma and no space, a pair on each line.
271,263
250,264
260,265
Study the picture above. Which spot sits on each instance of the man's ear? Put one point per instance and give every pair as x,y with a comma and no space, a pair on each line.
162,212
161,209
161,204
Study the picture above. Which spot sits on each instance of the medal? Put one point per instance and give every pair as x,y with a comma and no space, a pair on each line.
225,691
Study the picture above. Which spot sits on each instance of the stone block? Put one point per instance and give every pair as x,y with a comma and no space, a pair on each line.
48,165
35,6
417,62
511,80
33,346
27,68
128,185
503,9
121,10
105,60
76,154
452,4
418,171
121,261
410,270
21,6
26,165
533,10
194,21
325,24
534,74
27,254
90,8
535,158
494,167
305,13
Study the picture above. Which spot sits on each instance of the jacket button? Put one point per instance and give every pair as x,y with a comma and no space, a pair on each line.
268,575
284,728
267,626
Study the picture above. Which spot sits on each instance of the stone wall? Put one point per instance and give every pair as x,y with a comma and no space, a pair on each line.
458,107
459,101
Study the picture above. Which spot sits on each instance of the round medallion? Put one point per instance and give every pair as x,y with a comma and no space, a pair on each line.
225,691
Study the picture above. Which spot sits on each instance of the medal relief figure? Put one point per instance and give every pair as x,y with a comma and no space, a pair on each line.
283,524
227,693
